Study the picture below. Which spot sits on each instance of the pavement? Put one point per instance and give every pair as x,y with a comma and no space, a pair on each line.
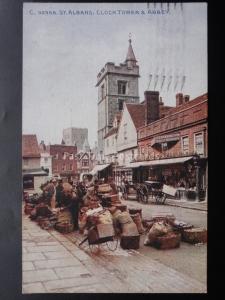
54,263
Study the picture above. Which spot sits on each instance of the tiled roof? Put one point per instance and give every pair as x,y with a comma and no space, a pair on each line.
30,146
137,113
111,132
188,104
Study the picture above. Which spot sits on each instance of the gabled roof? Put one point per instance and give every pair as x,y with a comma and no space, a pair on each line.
30,146
137,113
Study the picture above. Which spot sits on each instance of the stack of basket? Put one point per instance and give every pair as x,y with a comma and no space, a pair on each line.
64,222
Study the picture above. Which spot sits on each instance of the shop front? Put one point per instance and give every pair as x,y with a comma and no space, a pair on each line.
102,171
187,174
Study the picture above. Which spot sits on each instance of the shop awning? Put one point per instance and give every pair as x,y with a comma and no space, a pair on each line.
158,162
35,172
98,168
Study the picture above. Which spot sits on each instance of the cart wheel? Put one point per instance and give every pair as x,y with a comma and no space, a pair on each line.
94,248
112,245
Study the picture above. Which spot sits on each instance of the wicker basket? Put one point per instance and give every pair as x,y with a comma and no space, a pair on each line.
130,242
64,227
169,241
194,235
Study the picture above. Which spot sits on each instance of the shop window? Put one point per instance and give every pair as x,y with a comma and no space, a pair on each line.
28,182
199,143
122,86
185,145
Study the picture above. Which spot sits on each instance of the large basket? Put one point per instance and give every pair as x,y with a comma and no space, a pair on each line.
130,242
64,227
169,241
194,235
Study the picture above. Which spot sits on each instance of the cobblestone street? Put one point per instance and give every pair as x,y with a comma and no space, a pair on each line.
53,263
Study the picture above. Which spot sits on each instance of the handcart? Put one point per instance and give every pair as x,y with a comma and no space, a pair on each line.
101,234
162,195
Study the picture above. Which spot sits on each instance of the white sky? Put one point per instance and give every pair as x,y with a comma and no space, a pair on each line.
62,55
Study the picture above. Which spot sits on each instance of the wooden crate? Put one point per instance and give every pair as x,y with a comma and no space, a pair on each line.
130,242
169,241
194,235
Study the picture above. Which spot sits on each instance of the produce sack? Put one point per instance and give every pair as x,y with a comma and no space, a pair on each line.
158,229
105,218
137,220
129,228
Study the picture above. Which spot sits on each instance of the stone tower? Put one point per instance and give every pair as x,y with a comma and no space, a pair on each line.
116,84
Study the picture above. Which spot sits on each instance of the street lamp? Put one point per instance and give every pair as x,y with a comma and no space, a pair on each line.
196,159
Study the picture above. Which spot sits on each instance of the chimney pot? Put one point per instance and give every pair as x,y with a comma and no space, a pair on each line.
186,98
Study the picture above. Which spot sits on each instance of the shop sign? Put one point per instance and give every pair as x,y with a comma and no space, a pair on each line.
166,138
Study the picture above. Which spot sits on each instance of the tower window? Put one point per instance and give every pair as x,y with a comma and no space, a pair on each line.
120,104
122,87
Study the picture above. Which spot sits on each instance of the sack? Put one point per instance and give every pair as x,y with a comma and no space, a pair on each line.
130,229
160,229
124,217
105,218
137,220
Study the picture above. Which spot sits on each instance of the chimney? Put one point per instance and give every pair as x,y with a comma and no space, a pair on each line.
179,99
151,106
186,98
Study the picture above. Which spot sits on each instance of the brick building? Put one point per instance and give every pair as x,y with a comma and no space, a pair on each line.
168,146
33,174
64,162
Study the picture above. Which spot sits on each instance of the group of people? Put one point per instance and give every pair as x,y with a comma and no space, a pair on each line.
59,194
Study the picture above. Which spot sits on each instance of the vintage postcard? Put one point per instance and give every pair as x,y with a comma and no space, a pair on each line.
114,148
